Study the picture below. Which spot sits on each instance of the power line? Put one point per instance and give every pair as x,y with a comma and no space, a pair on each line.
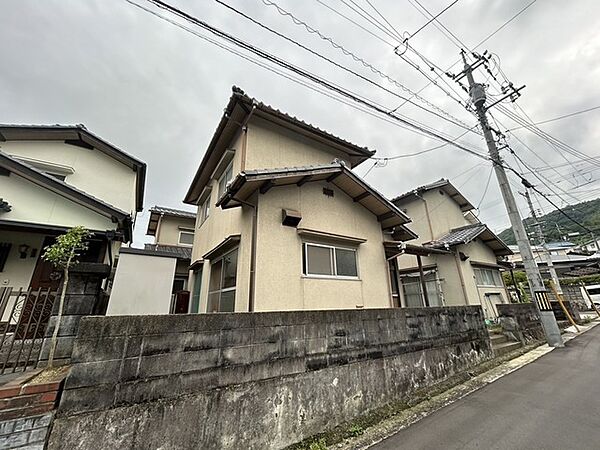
313,78
433,18
558,118
346,69
356,58
487,185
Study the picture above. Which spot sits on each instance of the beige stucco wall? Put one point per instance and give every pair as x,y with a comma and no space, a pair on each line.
142,285
95,172
279,281
169,227
273,146
32,203
17,272
443,211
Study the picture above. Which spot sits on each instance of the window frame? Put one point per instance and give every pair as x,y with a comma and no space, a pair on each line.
186,231
497,283
333,261
204,210
221,290
223,177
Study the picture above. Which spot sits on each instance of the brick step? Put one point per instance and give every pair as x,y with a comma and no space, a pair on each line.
506,347
498,339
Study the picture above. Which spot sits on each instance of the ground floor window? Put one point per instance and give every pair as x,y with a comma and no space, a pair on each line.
196,291
329,261
413,291
222,283
488,277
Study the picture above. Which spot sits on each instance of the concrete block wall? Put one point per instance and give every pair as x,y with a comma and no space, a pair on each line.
520,321
83,298
263,380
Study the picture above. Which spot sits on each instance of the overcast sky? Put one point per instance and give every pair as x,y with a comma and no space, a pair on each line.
157,91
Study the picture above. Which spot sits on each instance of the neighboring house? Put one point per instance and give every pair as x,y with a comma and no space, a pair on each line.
458,256
160,270
283,223
53,178
560,248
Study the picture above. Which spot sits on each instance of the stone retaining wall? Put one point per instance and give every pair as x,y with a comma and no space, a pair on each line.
252,380
520,321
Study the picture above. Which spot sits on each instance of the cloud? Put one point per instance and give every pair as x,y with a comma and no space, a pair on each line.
158,92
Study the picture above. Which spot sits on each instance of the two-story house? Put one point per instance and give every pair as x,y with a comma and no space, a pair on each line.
53,178
283,222
462,266
56,177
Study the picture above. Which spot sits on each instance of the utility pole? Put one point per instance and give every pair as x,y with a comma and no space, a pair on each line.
536,284
542,239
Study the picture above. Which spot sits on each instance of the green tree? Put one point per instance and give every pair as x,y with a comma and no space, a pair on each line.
63,255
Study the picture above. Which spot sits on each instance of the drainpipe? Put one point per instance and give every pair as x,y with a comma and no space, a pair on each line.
245,139
461,276
426,214
252,286
422,278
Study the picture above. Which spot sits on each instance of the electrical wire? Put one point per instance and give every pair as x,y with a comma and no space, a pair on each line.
310,29
558,118
432,19
485,190
419,128
340,66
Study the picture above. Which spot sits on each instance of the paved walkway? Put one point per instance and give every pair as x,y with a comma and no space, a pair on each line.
552,403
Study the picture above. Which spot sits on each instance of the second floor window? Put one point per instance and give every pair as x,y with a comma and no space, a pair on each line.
205,210
225,178
186,237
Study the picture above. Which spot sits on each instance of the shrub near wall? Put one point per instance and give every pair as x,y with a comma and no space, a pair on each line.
252,380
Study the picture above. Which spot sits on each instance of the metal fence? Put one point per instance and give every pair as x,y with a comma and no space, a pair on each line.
24,316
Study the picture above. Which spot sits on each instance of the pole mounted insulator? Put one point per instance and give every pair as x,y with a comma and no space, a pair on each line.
477,93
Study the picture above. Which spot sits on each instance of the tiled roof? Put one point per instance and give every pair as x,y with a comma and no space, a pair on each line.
457,236
466,234
237,111
442,184
176,250
173,212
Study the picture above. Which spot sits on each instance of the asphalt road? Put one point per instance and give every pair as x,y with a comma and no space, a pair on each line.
552,403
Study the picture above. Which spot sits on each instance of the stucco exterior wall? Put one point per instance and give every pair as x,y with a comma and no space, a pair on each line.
32,203
17,272
443,211
94,172
273,146
280,284
142,285
168,230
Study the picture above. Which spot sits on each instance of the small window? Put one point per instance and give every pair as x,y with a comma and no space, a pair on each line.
186,237
329,261
225,178
205,210
488,277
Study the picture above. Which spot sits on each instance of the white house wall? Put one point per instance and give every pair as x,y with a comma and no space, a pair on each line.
142,285
35,204
94,172
18,271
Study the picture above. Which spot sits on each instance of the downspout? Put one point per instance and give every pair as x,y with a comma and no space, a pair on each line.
461,276
426,214
252,287
245,139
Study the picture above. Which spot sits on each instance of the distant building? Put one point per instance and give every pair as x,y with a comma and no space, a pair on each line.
153,280
456,257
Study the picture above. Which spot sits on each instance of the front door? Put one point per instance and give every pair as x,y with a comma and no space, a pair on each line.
45,275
